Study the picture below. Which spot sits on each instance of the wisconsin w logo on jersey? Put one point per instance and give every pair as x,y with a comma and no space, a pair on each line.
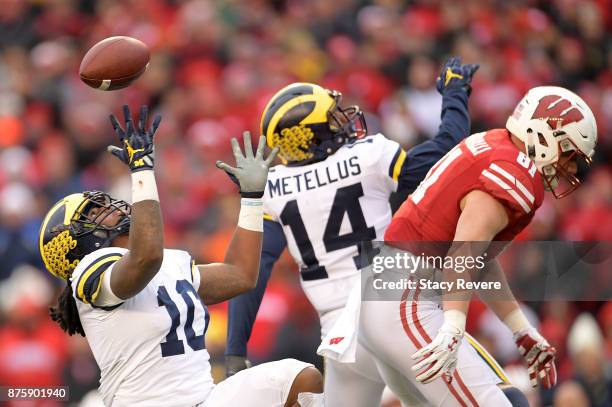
557,111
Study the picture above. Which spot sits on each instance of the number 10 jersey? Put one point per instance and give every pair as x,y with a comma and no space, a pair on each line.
150,348
332,210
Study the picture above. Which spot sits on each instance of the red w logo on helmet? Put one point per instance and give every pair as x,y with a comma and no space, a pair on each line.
557,111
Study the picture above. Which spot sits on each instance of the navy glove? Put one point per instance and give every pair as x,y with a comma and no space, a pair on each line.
456,76
137,151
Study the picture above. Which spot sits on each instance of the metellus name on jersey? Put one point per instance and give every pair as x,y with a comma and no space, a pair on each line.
314,178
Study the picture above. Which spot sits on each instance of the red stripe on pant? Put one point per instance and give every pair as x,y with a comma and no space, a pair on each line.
427,339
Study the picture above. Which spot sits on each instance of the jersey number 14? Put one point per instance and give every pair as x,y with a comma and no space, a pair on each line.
346,201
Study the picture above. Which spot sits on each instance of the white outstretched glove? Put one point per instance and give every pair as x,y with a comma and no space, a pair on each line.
439,358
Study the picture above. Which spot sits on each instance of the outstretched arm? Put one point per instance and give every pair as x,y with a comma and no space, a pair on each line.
454,85
502,301
482,217
239,271
243,309
139,265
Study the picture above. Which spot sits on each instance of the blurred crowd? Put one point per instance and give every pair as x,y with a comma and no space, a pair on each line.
214,65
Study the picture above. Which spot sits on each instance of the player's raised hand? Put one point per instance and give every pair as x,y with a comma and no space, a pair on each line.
540,357
454,75
251,171
439,358
137,150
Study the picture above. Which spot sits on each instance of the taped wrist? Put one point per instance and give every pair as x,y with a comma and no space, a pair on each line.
517,321
144,186
251,214
456,319
311,399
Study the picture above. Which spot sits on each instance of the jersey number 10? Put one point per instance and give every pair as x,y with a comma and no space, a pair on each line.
173,345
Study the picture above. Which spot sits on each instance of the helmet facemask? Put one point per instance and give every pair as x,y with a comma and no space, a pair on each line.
343,125
84,222
87,228
348,122
558,178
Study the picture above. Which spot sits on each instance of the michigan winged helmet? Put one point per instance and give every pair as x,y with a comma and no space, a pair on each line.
74,228
307,123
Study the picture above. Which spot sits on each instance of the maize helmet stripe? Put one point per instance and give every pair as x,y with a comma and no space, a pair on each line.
279,99
68,205
317,113
290,97
74,204
309,101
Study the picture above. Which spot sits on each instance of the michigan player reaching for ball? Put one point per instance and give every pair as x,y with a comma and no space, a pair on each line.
486,189
140,306
330,196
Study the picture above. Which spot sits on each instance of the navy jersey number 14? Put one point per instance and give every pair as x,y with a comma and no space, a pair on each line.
346,201
173,345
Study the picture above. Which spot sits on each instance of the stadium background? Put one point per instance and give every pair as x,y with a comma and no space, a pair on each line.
214,65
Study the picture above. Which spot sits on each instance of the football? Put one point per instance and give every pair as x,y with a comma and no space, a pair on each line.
114,63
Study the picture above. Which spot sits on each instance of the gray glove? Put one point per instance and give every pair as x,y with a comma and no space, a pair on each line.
251,172
234,364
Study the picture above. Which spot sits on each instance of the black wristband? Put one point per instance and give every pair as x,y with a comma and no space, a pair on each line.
257,194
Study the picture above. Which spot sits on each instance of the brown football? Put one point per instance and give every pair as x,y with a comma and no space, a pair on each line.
114,63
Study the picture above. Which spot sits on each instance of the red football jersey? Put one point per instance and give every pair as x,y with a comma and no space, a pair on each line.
485,161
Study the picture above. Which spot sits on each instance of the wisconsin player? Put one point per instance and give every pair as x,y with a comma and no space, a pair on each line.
141,307
329,200
486,189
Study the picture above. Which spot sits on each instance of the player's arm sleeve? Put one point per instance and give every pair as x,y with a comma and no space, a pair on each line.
194,274
388,157
454,128
93,283
243,309
511,185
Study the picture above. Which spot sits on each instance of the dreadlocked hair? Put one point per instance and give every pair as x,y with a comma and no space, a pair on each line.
66,313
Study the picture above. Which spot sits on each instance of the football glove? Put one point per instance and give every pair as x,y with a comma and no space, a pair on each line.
251,172
234,364
456,76
540,357
439,358
137,151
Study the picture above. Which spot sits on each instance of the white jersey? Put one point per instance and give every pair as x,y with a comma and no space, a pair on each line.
327,209
150,348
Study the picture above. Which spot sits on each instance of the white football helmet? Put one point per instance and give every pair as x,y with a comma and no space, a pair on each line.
555,122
